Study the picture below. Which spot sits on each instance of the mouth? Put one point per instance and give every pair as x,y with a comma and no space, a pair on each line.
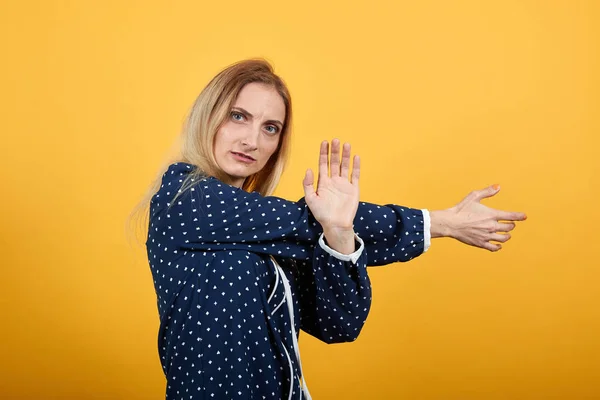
243,157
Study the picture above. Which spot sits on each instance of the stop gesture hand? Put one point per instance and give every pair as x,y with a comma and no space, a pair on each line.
335,201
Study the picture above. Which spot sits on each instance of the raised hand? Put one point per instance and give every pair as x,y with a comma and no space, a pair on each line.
472,223
335,201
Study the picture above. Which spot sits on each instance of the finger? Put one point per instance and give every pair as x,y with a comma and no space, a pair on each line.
510,216
505,227
345,160
355,170
334,166
324,159
308,183
487,192
492,246
498,237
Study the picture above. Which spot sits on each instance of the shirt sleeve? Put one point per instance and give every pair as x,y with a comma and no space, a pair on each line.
334,294
426,229
392,233
212,215
344,257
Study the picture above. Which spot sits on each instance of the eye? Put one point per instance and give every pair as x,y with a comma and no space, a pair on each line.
236,116
272,129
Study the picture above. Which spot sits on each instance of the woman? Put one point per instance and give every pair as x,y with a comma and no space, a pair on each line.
237,273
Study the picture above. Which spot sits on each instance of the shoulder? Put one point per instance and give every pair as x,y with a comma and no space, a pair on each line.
176,174
177,171
171,184
172,180
182,180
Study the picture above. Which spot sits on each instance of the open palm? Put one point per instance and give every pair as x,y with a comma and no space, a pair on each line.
335,201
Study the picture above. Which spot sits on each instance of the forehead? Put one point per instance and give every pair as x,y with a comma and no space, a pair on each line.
261,100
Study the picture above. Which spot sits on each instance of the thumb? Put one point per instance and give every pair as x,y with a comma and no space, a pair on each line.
489,191
308,183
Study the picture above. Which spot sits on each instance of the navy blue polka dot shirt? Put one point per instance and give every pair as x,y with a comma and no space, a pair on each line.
237,275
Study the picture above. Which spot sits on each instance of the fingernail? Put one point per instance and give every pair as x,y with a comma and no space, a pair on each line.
496,186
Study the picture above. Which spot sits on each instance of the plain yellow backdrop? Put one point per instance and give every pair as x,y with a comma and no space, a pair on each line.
438,97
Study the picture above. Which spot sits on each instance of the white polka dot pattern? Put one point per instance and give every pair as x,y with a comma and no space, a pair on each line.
223,332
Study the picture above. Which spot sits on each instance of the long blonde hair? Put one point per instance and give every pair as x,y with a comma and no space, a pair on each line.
210,110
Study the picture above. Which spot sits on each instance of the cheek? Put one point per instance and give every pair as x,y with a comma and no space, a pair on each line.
271,146
221,139
220,146
229,133
270,149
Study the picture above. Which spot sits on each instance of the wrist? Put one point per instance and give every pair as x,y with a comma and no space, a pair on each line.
341,240
442,223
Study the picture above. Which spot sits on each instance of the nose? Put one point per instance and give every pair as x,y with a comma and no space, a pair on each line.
250,138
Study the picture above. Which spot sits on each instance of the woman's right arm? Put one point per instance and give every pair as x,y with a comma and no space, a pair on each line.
215,216
219,216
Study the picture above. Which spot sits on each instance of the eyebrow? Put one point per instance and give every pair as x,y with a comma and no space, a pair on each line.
272,121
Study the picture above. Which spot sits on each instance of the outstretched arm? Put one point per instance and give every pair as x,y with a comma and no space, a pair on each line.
216,216
469,221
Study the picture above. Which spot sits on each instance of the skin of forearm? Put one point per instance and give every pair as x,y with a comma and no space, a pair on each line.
340,240
441,223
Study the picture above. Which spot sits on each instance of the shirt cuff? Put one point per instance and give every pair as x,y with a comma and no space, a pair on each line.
426,230
344,257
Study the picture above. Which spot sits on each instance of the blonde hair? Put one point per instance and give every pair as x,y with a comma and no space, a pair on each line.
210,110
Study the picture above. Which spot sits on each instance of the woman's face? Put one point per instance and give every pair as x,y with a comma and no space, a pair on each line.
250,135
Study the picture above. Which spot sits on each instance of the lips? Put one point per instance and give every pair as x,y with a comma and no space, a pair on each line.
242,156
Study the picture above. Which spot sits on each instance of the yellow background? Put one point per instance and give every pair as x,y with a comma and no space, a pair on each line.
438,97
